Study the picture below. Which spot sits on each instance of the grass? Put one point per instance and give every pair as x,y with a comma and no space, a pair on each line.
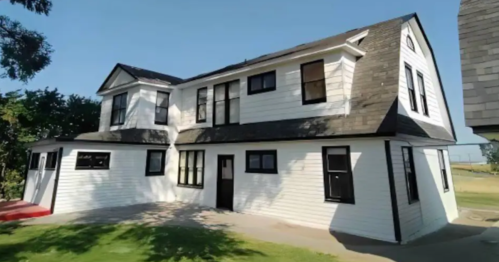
476,190
125,243
478,200
484,168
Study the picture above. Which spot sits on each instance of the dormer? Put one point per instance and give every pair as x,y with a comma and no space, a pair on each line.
137,98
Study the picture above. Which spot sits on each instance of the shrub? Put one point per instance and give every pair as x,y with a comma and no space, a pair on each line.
13,184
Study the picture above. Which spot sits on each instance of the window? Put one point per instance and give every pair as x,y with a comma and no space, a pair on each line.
161,111
264,161
410,87
155,162
119,109
410,44
51,160
261,83
338,179
443,170
35,159
202,99
92,160
313,83
191,168
410,175
422,94
226,103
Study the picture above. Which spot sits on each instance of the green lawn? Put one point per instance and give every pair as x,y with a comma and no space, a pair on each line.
478,200
125,243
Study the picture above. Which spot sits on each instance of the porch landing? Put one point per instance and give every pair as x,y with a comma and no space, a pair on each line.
15,210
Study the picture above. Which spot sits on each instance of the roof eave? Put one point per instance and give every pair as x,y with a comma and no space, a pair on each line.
131,84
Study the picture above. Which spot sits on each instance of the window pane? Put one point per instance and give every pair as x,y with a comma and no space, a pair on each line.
421,85
84,160
182,158
199,177
337,159
199,159
408,76
122,114
219,92
234,89
441,159
182,175
202,96
234,110
315,90
190,161
190,165
161,115
256,83
227,169
254,161
162,99
269,80
202,112
155,161
313,72
220,113
268,162
116,102
123,100
101,160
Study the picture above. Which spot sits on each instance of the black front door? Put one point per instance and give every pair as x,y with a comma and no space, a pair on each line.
225,184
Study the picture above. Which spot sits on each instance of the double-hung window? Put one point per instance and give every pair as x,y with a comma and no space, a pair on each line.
191,168
410,88
338,178
161,110
118,112
261,83
35,159
410,175
92,160
226,103
155,165
202,98
422,94
261,161
443,170
313,82
51,160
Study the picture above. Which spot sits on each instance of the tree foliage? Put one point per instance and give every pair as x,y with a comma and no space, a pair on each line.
32,115
23,52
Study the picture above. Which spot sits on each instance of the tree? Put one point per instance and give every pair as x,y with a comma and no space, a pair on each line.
23,52
491,152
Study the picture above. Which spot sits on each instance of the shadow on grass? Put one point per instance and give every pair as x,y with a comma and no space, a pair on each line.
8,228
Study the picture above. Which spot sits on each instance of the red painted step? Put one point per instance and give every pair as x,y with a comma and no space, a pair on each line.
15,210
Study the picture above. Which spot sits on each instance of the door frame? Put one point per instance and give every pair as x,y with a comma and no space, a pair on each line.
219,179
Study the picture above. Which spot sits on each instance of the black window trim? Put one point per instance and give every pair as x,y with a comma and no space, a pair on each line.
54,156
409,40
423,97
37,161
113,111
260,153
413,169
92,167
409,92
205,104
317,100
262,90
349,173
227,104
163,163
443,171
156,122
187,169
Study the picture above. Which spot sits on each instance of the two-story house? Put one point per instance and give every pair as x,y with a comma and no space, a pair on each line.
348,133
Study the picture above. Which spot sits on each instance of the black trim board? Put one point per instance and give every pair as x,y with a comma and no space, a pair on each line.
26,170
56,181
163,157
393,193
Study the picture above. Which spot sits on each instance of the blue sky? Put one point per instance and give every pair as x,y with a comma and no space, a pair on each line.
185,38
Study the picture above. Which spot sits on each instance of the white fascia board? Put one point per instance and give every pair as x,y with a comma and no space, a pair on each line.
345,47
357,37
133,84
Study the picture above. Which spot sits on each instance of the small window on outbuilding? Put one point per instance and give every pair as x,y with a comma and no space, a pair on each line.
92,160
410,44
35,159
51,160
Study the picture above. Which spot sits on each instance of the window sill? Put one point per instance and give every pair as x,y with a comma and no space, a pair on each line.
119,124
50,169
413,201
161,123
340,201
261,91
200,121
274,172
315,101
155,174
414,110
190,186
90,168
446,190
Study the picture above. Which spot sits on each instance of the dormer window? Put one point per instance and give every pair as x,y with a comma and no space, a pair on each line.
313,82
161,110
119,109
410,44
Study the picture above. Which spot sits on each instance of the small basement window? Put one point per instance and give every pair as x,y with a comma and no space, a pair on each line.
313,83
338,178
92,160
51,160
155,165
261,83
261,161
35,159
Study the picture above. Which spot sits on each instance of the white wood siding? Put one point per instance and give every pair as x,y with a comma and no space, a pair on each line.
286,101
296,193
124,183
419,62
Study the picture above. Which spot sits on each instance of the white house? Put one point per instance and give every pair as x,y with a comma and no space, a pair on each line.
348,133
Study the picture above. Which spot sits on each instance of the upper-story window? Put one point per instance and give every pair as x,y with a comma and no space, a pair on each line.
161,110
410,88
202,98
119,109
313,82
410,44
422,94
261,83
226,103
